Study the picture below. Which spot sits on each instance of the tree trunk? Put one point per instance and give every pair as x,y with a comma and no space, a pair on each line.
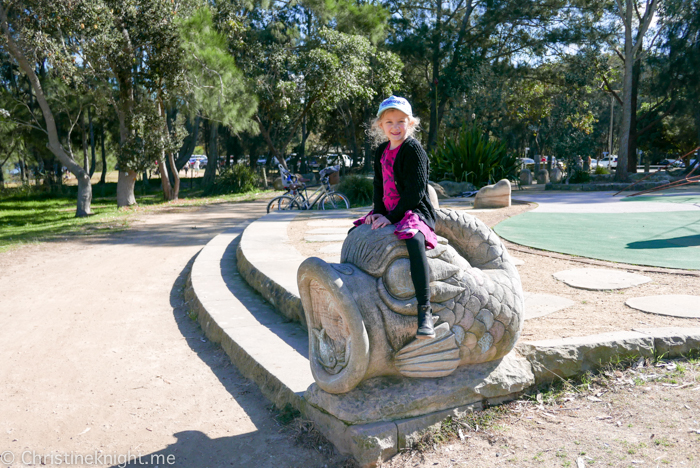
164,180
84,141
103,177
627,81
125,188
213,156
632,146
93,161
632,51
302,148
123,71
353,139
176,177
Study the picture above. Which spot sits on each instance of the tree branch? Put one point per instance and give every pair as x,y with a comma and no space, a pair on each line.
54,144
648,16
619,54
636,10
610,90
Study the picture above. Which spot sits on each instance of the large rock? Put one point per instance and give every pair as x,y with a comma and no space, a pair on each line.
439,190
525,177
673,342
456,188
494,196
543,177
573,356
555,175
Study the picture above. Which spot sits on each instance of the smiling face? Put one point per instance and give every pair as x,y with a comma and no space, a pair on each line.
394,124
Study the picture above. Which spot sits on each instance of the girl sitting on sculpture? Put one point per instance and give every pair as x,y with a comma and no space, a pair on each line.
401,196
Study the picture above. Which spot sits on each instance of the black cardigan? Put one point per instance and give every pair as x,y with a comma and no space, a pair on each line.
411,177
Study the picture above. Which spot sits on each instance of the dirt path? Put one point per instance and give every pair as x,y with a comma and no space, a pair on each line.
99,357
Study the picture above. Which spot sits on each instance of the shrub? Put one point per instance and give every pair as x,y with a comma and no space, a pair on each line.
601,170
473,157
580,177
358,189
238,178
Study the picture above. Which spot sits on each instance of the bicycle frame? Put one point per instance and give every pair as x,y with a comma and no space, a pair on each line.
299,191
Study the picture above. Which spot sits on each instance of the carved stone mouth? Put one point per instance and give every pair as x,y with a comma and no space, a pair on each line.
338,340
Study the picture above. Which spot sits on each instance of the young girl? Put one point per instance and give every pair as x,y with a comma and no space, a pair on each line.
401,196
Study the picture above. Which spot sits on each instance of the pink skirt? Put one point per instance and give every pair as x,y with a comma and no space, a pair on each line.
409,225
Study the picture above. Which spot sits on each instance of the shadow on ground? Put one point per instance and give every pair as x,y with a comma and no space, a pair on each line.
675,242
271,445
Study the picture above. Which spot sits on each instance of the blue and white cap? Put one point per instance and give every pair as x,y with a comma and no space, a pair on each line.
395,102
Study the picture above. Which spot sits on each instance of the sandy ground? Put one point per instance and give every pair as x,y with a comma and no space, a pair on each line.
593,311
99,356
645,416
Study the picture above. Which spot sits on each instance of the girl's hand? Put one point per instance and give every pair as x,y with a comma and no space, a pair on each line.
370,218
380,222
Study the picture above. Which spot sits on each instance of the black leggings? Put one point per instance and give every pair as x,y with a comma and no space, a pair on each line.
420,272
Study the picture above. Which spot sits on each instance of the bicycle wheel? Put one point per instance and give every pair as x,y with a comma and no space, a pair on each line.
335,201
282,203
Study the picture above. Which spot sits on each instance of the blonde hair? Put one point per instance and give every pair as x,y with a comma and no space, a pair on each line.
376,134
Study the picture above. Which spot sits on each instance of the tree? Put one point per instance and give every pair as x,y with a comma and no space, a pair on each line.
213,85
629,13
682,47
33,29
446,44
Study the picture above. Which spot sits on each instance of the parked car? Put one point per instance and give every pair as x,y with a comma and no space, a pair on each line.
608,162
672,163
203,160
335,159
313,162
526,163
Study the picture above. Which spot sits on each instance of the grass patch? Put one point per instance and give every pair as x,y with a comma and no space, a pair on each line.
454,428
28,216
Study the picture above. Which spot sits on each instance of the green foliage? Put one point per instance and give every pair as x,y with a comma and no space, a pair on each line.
473,157
212,80
600,170
238,178
358,189
580,176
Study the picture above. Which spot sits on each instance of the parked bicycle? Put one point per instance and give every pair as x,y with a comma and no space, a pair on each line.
297,198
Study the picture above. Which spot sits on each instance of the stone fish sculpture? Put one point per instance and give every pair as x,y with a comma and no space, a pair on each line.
361,314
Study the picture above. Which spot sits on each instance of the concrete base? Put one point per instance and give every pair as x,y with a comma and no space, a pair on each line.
394,398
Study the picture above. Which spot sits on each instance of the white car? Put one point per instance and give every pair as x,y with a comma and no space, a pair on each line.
339,159
608,162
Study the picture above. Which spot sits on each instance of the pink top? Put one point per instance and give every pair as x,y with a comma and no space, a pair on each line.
410,224
391,194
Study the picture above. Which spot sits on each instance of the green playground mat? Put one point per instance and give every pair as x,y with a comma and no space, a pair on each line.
669,240
691,199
